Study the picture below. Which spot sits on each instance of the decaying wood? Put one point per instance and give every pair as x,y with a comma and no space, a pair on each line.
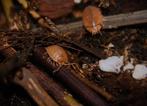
27,80
64,74
53,88
132,18
44,22
110,22
96,88
11,61
24,78
49,85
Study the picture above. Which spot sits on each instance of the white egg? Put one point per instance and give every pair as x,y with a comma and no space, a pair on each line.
111,64
140,72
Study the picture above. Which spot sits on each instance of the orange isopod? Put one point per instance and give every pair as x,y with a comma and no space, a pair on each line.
92,19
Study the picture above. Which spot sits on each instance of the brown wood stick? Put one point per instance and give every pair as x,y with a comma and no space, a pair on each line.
63,97
44,22
10,62
110,22
79,88
96,88
28,81
63,73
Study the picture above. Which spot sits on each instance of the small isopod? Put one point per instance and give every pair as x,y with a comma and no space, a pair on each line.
57,53
92,19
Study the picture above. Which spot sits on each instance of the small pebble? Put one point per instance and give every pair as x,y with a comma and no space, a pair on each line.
111,64
140,72
110,45
77,1
128,66
84,66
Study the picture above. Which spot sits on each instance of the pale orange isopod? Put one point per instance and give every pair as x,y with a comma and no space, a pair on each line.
92,19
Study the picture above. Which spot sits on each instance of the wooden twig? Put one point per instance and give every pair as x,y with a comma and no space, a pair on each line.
28,81
131,18
44,22
11,61
7,7
53,88
64,74
96,88
110,22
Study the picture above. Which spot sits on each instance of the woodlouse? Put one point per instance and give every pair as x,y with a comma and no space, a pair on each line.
92,19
